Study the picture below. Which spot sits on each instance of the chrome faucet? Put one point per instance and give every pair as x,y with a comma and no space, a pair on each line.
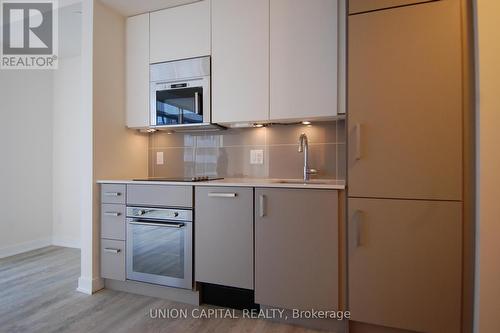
304,147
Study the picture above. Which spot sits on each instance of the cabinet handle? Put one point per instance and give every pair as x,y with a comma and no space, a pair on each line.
112,250
115,214
358,141
112,194
222,195
262,205
357,220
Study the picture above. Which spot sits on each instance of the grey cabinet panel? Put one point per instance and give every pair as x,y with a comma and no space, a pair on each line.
297,248
113,193
113,259
160,195
224,236
405,103
405,263
113,221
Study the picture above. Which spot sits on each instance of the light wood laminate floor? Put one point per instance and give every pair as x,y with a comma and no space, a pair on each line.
38,294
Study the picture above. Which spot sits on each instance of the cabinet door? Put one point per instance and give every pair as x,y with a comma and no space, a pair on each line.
404,262
296,248
137,71
180,32
359,6
405,104
240,60
224,236
304,36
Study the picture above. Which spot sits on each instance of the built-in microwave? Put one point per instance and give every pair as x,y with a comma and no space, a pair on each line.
180,94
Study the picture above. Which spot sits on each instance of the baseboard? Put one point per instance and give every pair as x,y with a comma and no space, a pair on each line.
89,286
66,242
36,244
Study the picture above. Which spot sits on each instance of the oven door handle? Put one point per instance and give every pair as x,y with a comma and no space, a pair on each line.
152,224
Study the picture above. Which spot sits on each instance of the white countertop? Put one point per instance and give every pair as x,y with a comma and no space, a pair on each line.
329,184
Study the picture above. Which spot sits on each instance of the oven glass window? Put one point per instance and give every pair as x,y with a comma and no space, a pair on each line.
158,250
179,106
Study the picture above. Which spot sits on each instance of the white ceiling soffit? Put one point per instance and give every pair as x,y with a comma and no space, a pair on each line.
134,7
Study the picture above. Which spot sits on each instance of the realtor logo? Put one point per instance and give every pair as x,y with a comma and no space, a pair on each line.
29,34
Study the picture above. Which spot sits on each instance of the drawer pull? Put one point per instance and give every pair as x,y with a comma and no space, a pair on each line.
115,214
112,250
112,194
222,195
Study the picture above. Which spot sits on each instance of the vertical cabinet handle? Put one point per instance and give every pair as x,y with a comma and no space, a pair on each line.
262,205
358,141
357,228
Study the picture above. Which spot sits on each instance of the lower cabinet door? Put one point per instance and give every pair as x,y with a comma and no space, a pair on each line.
405,263
113,259
297,248
224,236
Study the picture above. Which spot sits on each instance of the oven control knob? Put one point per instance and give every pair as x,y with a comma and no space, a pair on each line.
140,212
176,214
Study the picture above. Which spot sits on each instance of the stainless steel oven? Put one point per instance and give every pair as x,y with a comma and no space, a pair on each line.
159,246
180,93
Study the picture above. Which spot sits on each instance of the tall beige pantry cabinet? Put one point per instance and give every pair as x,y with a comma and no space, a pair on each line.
405,167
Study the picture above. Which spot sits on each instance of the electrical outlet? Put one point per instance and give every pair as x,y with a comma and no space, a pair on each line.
256,156
159,158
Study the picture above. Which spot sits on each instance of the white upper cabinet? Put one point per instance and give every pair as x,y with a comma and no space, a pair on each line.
304,59
181,32
137,71
240,60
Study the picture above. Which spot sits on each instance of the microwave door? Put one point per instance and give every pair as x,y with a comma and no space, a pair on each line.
179,106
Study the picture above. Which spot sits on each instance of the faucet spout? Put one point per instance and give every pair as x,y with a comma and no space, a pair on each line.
304,147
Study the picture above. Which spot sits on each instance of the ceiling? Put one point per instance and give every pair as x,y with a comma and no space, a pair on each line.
134,7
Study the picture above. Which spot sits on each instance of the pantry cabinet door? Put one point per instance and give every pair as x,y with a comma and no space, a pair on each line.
405,103
404,260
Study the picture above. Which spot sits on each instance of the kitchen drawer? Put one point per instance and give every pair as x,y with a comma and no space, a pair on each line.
113,221
160,195
113,259
113,193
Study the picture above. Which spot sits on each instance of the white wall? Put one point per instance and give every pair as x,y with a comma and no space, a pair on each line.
117,152
67,157
25,160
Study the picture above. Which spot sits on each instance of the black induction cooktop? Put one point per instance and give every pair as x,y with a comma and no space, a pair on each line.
179,179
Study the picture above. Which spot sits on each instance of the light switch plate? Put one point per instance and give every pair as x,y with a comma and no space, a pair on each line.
256,156
159,158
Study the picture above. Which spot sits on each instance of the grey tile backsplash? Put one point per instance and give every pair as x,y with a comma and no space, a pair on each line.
227,153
